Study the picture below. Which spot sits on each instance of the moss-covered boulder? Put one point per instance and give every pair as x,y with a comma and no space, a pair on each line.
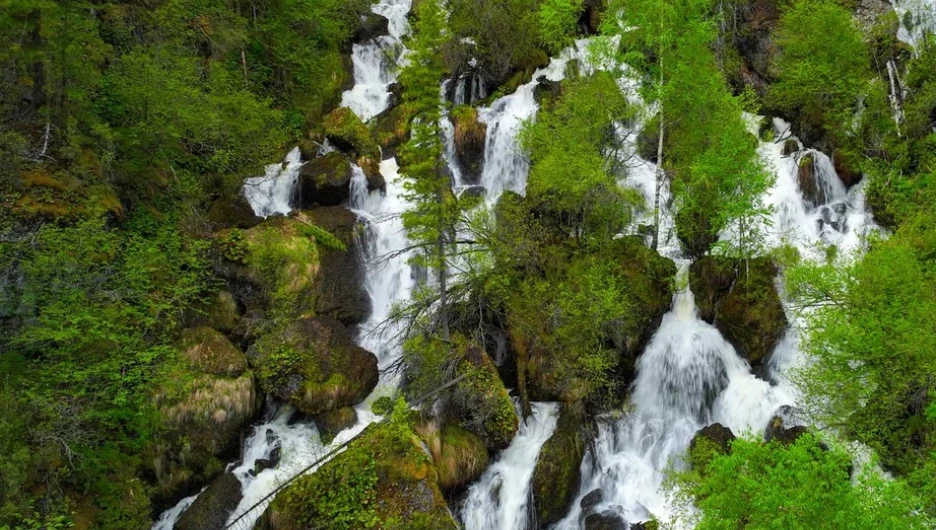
384,480
203,403
348,133
480,398
314,364
209,351
470,136
557,476
708,443
211,509
740,298
391,128
339,289
812,190
371,167
777,431
232,210
218,310
332,422
325,181
371,26
459,456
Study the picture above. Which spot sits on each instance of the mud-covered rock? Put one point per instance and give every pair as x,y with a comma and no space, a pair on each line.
211,509
557,476
314,364
740,298
325,181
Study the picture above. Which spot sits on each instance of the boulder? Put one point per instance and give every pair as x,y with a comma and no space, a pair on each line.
348,133
332,422
470,136
383,477
372,26
740,298
325,181
339,289
846,168
604,521
209,351
813,193
557,476
314,364
790,147
591,499
232,211
546,89
459,456
480,399
371,167
777,431
391,128
218,310
708,443
211,509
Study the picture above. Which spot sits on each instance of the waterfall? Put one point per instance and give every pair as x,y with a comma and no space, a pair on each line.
274,191
916,18
498,500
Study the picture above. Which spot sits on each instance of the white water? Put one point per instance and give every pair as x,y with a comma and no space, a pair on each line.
922,17
375,62
273,192
498,500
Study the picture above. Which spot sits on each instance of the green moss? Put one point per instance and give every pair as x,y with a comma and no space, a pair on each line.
556,478
461,458
482,397
344,129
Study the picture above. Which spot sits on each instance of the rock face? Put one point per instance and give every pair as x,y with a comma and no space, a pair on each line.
348,133
340,290
470,135
325,181
741,300
203,405
383,476
213,506
755,44
556,477
314,364
481,400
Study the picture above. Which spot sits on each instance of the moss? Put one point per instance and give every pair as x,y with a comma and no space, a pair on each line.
209,351
391,128
348,133
384,480
740,298
459,456
556,477
485,406
217,310
334,421
470,136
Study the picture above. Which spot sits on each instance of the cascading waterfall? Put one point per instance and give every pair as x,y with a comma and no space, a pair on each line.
916,18
273,192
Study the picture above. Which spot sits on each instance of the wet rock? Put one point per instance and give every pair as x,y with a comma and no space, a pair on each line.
592,498
339,289
232,211
557,476
315,365
546,89
481,400
371,168
846,169
716,433
209,351
372,26
790,147
325,181
392,128
590,20
812,192
473,192
211,509
470,136
604,521
776,431
334,421
740,298
218,310
755,44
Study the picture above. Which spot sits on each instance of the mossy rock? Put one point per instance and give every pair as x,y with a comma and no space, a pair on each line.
201,417
740,298
325,181
211,509
384,481
392,128
218,310
371,167
460,457
708,443
314,364
556,477
812,191
232,211
694,230
481,400
348,133
470,135
209,351
340,287
332,422
648,139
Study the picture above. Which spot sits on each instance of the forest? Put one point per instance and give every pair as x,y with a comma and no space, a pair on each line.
467,264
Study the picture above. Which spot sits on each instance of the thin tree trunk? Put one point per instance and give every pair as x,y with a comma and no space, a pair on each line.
244,64
660,175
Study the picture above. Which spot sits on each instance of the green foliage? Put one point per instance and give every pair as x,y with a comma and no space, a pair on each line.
233,246
558,19
803,485
823,66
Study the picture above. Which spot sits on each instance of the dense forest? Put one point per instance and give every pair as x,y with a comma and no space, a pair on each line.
525,264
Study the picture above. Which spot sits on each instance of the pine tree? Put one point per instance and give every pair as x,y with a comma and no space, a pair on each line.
430,221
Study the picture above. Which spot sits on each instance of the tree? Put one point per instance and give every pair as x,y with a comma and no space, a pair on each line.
431,219
800,486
